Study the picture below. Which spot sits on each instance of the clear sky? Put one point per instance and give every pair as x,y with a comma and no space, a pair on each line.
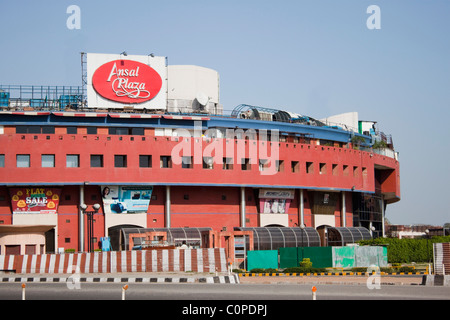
314,57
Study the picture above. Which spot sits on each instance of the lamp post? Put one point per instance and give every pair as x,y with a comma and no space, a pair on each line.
90,223
427,232
302,228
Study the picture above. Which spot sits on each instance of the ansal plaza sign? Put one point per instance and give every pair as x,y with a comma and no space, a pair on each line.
126,81
115,81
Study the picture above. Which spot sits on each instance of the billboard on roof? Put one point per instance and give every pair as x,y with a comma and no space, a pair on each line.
115,81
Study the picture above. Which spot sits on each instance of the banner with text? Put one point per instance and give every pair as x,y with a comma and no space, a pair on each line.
35,200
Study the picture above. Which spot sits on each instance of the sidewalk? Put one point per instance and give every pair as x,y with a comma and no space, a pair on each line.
333,279
125,277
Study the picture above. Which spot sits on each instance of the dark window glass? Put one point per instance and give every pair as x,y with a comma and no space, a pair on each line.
34,129
122,131
71,130
91,130
21,129
96,160
48,129
137,131
145,161
120,161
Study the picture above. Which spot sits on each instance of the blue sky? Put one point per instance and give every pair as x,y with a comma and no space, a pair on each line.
312,57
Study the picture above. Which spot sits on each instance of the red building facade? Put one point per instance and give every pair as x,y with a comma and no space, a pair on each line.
302,174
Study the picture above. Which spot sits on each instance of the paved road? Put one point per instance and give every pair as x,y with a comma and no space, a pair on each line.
185,291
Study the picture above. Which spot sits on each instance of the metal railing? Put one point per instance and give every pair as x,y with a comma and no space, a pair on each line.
37,98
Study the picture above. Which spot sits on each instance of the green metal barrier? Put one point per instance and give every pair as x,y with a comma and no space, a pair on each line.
334,257
263,259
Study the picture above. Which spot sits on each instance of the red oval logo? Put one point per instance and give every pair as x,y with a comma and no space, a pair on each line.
126,81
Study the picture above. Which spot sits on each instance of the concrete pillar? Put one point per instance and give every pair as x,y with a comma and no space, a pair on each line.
301,209
382,217
343,210
81,221
243,207
167,208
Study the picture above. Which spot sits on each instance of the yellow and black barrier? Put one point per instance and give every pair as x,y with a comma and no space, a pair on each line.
330,274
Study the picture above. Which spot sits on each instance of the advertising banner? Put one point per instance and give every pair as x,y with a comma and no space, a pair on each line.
126,199
116,80
275,200
35,200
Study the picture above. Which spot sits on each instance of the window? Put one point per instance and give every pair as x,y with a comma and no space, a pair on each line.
322,168
120,161
145,161
48,160
30,249
295,166
165,162
335,169
96,160
309,167
263,164
137,131
21,129
91,130
355,172
35,129
280,165
23,161
186,162
345,170
2,160
48,129
126,131
120,131
208,162
72,130
245,164
72,161
227,164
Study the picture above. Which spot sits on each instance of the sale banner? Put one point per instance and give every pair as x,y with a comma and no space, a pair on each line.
35,199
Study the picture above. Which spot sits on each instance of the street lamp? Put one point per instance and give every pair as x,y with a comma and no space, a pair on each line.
427,232
302,228
90,220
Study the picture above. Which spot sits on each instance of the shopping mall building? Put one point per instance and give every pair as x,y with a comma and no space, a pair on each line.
144,144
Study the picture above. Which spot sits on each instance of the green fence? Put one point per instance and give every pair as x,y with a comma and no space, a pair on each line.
263,259
334,257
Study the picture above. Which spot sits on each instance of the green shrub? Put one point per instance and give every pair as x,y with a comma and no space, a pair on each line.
306,263
304,270
406,269
407,250
238,271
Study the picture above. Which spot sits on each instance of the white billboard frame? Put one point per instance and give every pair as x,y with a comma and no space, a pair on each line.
95,100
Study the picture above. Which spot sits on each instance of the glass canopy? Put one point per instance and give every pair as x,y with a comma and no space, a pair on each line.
272,238
175,236
341,236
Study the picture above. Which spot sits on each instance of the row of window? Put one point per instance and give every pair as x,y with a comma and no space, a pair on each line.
73,161
145,161
124,131
74,130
